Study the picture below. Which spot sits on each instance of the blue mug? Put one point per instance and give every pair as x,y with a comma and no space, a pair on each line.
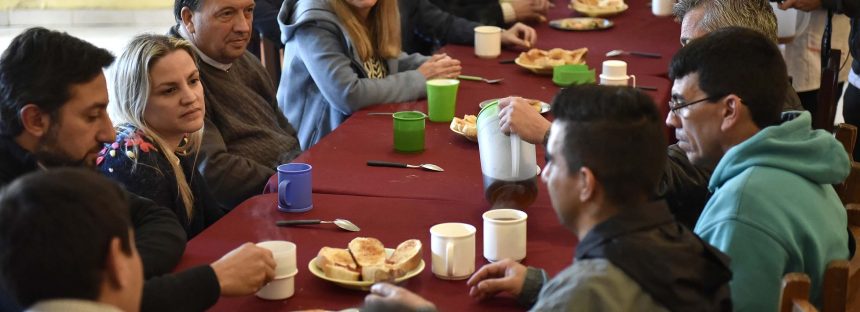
294,187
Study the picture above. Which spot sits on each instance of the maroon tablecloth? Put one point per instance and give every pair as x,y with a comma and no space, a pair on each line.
392,220
396,204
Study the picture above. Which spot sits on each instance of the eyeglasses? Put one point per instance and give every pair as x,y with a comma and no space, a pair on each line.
678,107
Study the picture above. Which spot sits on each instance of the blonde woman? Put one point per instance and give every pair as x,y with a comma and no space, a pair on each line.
344,55
158,110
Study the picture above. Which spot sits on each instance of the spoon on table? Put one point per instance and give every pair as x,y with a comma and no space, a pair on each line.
476,78
429,167
622,52
341,223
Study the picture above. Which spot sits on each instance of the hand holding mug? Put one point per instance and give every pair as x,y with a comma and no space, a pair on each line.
244,270
803,5
519,35
440,66
505,276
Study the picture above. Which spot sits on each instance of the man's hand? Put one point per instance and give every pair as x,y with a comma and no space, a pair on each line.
530,10
440,66
517,116
519,35
389,295
803,5
244,270
504,276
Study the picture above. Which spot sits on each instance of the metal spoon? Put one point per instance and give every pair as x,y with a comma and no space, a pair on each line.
341,223
429,167
622,52
476,78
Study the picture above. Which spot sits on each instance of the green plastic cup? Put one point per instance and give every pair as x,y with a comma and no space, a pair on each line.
409,131
442,99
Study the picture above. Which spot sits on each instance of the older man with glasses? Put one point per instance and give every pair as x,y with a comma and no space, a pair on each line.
773,209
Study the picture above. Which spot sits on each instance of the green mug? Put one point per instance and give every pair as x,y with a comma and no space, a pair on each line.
442,99
567,75
409,131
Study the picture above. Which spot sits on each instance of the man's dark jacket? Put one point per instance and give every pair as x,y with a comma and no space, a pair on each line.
159,238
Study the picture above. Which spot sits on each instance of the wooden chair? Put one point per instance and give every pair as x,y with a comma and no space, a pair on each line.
825,111
270,55
795,293
849,190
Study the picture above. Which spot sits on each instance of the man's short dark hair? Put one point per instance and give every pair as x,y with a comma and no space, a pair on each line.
737,61
39,67
194,5
55,232
617,133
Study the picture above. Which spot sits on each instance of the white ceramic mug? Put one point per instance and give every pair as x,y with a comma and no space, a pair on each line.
617,81
284,253
614,69
662,7
453,247
488,41
279,288
505,234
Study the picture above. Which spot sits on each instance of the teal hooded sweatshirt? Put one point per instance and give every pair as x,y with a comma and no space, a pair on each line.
774,211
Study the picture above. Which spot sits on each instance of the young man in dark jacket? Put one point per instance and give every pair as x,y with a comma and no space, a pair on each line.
53,100
605,159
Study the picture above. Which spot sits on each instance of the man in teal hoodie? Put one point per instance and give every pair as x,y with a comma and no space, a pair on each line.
773,209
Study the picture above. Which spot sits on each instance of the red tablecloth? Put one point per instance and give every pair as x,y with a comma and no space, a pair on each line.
396,204
392,220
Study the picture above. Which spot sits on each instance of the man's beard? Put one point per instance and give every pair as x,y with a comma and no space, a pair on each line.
49,153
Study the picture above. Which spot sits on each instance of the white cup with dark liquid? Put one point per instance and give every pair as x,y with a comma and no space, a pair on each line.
505,234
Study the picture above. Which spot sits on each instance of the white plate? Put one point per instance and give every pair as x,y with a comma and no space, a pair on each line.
544,106
362,285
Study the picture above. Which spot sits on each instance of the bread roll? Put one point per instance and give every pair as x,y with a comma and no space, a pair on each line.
367,251
406,257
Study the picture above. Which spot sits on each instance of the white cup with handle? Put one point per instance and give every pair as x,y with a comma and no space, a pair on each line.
453,247
504,234
488,41
615,74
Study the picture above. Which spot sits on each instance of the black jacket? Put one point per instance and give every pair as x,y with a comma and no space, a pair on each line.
424,27
669,262
487,12
160,242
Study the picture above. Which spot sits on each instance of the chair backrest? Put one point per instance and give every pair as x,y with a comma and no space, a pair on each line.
795,293
825,111
834,288
270,55
848,190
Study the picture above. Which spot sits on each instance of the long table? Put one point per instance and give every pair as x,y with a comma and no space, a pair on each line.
395,204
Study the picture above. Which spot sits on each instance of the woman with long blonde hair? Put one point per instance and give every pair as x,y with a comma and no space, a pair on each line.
158,108
343,55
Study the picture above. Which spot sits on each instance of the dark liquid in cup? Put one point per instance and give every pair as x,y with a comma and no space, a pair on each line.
510,194
504,219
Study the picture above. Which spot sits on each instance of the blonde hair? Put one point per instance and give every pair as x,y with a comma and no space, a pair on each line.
380,36
131,90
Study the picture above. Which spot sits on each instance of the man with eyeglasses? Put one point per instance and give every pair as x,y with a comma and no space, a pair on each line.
773,209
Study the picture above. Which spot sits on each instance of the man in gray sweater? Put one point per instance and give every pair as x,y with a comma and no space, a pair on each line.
246,136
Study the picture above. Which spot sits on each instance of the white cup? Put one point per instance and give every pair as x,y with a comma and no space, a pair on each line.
453,247
488,41
279,288
662,7
505,234
614,69
617,81
284,253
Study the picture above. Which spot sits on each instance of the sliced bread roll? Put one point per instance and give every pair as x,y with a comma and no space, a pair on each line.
367,251
406,257
337,263
378,273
